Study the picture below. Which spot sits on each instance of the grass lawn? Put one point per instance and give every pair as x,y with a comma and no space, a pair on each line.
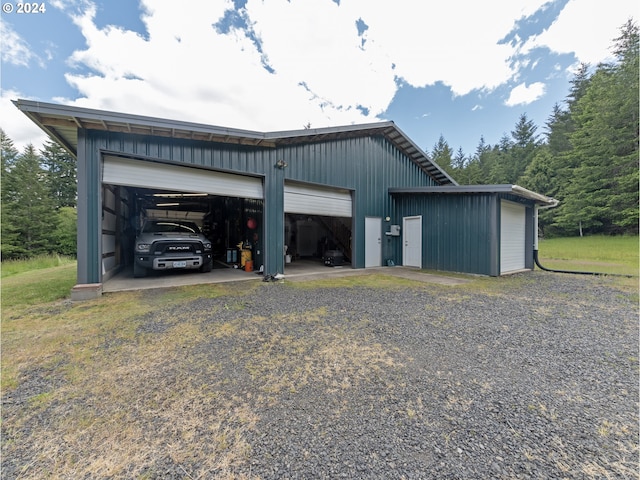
14,267
596,253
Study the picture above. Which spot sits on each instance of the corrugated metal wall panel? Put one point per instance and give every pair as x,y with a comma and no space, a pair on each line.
458,231
367,166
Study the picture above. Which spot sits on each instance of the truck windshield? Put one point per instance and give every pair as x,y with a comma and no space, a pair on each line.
171,227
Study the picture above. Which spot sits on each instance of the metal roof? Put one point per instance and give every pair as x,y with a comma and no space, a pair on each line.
61,122
470,189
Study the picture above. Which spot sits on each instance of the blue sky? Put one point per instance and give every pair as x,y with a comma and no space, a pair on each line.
462,69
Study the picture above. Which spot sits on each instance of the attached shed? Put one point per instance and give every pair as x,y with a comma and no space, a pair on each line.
481,229
365,191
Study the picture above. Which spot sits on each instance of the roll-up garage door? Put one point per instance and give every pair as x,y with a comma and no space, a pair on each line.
145,174
313,200
512,237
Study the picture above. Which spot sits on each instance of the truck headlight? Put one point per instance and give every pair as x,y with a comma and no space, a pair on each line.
143,247
207,245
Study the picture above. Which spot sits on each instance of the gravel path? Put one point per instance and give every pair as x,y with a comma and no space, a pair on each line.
537,378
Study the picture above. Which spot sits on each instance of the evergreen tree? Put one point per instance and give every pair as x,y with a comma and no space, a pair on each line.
525,143
541,176
28,210
61,174
8,155
65,235
499,162
474,165
459,163
579,84
602,191
442,155
484,162
558,128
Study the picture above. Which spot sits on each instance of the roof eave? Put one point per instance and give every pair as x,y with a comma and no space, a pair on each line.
516,190
53,117
62,123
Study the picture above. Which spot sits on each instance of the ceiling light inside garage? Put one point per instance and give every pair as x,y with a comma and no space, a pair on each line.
179,195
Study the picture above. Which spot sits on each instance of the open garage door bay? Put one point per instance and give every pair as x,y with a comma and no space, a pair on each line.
226,207
317,221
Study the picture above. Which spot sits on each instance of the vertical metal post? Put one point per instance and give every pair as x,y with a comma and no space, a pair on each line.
535,227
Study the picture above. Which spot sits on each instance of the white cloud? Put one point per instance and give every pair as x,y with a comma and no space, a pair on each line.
15,50
523,94
322,71
16,125
454,42
186,70
323,74
587,28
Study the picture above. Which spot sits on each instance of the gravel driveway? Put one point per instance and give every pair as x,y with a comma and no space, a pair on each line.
534,376
539,380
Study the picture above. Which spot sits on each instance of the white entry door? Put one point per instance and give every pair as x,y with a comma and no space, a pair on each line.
372,242
412,241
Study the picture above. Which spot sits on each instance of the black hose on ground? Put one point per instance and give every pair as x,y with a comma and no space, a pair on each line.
574,272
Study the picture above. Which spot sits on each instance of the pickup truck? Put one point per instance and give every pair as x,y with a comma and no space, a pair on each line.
170,245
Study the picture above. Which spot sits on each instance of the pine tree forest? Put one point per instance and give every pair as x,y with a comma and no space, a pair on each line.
585,156
38,201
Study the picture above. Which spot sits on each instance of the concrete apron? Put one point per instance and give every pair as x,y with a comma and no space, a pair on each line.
298,271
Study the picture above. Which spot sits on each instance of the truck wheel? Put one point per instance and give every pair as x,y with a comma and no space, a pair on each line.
139,271
206,267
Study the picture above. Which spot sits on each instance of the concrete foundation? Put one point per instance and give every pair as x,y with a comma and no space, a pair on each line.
86,291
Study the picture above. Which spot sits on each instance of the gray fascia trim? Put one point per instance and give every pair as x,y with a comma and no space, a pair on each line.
461,189
280,135
539,198
32,106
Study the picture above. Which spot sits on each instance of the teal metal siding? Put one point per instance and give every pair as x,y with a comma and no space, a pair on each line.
367,166
89,235
459,231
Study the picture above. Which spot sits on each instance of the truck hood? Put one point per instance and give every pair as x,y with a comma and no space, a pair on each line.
178,237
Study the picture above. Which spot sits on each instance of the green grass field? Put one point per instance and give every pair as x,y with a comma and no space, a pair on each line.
13,267
37,280
597,253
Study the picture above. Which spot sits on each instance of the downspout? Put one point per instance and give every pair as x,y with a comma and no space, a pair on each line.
537,260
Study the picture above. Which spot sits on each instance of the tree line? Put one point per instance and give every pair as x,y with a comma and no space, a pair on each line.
38,201
587,156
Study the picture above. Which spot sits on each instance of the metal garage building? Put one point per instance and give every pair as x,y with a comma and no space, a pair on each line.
365,190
